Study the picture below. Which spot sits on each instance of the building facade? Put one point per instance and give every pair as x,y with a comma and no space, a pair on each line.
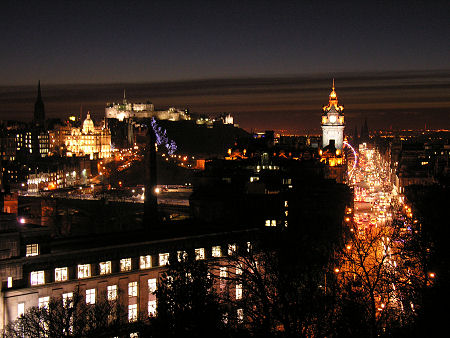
89,140
127,110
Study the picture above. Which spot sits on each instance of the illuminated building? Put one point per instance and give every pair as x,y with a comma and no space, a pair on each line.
333,122
127,110
89,140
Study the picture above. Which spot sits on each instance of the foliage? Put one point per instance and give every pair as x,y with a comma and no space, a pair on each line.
187,303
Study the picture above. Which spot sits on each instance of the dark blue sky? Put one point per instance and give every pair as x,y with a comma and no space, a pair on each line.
147,41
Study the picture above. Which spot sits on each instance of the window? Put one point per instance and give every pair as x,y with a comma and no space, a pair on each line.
152,308
43,302
125,264
199,253
20,309
90,296
60,274
32,250
67,299
151,285
223,272
37,278
132,313
112,292
182,256
163,259
145,262
271,223
10,282
216,251
240,315
286,204
238,269
132,289
238,291
249,246
105,268
231,249
84,270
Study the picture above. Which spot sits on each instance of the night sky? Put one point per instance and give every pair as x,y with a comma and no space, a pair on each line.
281,53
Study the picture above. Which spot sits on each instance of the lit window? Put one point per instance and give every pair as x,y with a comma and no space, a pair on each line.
105,268
132,313
112,292
125,264
10,282
285,204
145,262
216,251
223,272
132,289
60,274
151,285
20,309
67,299
152,308
249,246
37,278
238,269
32,250
43,302
200,253
90,296
231,249
84,270
240,315
238,291
163,259
182,256
271,223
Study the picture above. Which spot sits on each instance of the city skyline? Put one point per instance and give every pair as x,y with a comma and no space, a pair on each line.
409,100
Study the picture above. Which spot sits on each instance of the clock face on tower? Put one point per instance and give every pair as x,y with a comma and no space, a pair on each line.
332,118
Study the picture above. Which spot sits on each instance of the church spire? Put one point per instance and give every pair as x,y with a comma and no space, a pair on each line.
39,112
39,91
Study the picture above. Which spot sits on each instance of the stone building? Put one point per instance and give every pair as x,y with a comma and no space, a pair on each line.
89,140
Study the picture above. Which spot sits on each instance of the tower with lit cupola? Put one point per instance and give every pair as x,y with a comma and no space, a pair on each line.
333,122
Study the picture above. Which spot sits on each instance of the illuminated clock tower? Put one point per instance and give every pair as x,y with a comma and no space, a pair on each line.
333,122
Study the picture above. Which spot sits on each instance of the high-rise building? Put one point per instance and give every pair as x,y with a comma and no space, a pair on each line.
333,122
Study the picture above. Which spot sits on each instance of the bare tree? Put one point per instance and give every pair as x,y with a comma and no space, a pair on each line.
381,275
72,318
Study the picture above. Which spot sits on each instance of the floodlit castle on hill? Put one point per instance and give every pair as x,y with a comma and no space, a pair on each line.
126,110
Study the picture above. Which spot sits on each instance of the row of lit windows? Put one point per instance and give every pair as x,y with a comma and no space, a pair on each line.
112,295
145,262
